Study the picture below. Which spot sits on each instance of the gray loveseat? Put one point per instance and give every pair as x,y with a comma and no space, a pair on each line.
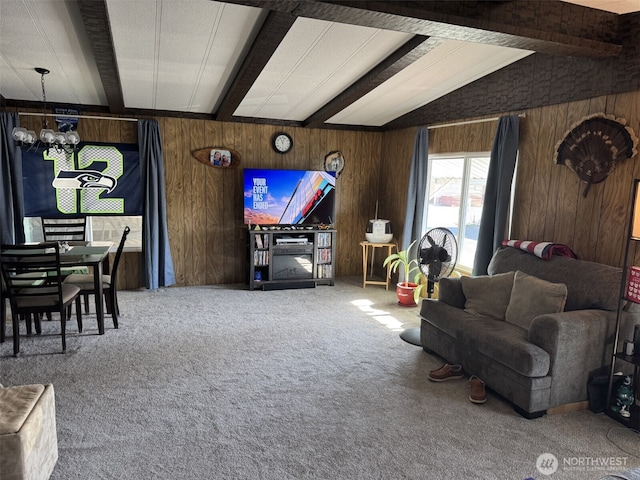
538,365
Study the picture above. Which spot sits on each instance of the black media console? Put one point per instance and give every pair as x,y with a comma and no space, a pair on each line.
291,258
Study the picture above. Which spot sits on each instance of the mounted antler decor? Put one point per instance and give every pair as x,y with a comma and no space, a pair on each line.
594,145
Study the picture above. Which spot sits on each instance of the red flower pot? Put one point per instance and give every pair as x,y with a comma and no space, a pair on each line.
404,292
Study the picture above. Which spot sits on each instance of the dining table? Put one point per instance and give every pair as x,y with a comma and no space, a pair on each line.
93,254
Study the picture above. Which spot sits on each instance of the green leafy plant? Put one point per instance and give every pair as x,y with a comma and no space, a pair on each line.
410,268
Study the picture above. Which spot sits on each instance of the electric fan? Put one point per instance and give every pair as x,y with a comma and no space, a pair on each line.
437,255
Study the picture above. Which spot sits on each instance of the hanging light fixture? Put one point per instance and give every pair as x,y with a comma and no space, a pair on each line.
61,141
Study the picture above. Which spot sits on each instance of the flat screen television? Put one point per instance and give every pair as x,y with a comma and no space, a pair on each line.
289,197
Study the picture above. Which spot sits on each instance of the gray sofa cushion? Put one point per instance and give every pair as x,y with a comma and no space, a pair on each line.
486,295
532,296
506,344
589,285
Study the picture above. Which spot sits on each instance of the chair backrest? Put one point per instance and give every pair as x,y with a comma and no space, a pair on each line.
32,277
116,261
64,229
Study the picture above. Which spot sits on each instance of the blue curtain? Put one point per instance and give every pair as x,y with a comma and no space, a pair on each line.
416,191
158,265
497,192
11,196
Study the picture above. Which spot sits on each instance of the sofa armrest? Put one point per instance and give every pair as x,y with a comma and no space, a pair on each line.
578,342
450,292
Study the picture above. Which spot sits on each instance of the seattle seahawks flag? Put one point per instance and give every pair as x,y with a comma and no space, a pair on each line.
96,179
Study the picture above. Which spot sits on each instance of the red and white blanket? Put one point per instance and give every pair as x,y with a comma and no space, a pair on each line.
543,250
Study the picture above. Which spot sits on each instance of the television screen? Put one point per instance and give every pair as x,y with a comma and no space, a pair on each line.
288,197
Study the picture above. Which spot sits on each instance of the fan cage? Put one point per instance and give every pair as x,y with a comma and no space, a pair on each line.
432,261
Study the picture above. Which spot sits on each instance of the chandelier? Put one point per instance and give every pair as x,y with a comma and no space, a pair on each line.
61,141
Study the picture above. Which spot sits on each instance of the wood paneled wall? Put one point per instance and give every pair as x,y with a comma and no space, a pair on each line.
204,204
549,202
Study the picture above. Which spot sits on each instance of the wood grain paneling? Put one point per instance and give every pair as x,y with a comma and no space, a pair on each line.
548,198
525,170
204,205
585,234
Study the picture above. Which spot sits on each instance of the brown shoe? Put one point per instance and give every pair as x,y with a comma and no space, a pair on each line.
446,372
477,393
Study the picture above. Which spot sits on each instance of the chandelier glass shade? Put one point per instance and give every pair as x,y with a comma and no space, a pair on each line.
62,141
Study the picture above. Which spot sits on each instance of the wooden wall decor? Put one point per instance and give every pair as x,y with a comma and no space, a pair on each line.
334,162
218,157
594,145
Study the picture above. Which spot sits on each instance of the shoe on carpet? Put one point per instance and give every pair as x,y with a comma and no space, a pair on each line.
477,393
446,372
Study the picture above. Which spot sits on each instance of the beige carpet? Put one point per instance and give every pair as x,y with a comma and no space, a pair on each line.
222,383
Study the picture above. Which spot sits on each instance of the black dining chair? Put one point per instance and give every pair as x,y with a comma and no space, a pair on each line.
109,283
34,284
64,229
72,229
4,296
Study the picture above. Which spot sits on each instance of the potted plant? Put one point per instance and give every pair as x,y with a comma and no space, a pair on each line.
409,289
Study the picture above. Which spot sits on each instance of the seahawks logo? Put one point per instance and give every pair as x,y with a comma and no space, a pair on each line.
81,179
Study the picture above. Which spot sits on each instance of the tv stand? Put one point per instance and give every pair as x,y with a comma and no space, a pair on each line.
288,258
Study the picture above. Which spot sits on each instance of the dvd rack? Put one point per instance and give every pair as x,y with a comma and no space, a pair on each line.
290,259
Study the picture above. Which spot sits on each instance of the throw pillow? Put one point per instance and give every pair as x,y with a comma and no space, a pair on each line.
488,295
531,296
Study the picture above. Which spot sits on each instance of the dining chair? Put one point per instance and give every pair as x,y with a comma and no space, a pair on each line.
72,229
109,283
64,229
34,284
4,296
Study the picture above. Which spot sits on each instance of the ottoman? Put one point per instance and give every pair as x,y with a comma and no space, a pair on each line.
28,440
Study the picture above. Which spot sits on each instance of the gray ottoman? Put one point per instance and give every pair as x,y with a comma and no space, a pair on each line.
28,439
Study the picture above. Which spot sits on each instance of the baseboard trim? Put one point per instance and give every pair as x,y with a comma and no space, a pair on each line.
569,407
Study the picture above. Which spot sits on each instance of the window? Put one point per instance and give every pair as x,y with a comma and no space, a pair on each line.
455,197
98,228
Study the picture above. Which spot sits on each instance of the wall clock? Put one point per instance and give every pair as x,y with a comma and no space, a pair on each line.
282,142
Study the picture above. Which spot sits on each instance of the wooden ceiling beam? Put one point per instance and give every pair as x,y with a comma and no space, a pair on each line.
272,32
98,29
551,26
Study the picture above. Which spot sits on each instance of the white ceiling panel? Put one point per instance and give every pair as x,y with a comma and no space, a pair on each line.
179,55
49,35
316,61
449,66
185,56
616,6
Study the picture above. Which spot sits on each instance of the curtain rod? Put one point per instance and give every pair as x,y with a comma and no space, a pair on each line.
521,115
94,117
